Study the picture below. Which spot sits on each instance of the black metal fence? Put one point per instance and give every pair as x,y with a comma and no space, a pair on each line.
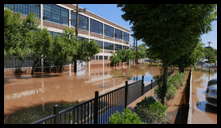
100,108
14,62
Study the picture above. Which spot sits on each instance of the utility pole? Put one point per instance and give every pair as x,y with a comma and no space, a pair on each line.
77,10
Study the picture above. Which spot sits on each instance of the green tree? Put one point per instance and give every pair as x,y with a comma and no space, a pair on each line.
86,49
191,58
17,32
41,46
79,49
169,31
210,54
141,52
125,55
115,59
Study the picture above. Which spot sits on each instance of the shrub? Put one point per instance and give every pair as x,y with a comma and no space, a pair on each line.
171,91
176,80
126,117
151,111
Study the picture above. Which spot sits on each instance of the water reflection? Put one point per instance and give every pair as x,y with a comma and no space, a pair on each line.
147,78
203,106
209,113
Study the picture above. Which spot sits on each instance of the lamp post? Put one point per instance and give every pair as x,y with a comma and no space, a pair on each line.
77,10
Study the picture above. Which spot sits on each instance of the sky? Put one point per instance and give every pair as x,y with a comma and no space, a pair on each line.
112,13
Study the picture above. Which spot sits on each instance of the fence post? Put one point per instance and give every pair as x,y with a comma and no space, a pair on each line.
126,91
142,87
151,83
96,107
55,112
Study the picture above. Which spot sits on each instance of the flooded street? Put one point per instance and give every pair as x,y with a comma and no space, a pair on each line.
27,91
202,112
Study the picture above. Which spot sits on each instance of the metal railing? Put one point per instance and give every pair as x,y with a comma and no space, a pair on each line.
100,108
14,62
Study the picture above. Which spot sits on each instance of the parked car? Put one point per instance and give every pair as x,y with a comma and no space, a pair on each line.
212,82
211,93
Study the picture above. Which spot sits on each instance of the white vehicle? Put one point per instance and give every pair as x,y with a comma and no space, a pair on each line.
211,94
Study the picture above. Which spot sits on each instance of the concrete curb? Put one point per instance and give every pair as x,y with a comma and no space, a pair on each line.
189,119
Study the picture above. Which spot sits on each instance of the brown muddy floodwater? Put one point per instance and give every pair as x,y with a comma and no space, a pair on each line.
202,113
27,91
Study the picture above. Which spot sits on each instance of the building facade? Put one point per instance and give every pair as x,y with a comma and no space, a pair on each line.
56,17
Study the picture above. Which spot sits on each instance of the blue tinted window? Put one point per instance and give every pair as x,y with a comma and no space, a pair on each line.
125,47
83,21
55,13
25,9
99,43
54,34
82,38
125,36
118,47
108,46
73,19
118,34
108,31
96,26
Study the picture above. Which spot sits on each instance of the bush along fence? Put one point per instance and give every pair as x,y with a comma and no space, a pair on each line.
98,109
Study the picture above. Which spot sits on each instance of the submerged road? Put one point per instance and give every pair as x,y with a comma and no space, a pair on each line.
202,113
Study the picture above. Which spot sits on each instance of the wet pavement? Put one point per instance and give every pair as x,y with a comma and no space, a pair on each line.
28,91
202,112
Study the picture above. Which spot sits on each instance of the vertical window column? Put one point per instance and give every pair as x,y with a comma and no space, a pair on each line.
69,18
41,14
89,28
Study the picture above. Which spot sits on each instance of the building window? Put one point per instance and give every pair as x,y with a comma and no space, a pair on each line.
118,34
118,47
99,43
125,36
82,38
108,46
125,47
83,22
100,57
25,9
55,14
108,31
54,34
73,19
96,57
105,57
96,26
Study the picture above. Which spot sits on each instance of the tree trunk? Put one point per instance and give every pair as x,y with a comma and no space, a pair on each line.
164,84
181,69
75,66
